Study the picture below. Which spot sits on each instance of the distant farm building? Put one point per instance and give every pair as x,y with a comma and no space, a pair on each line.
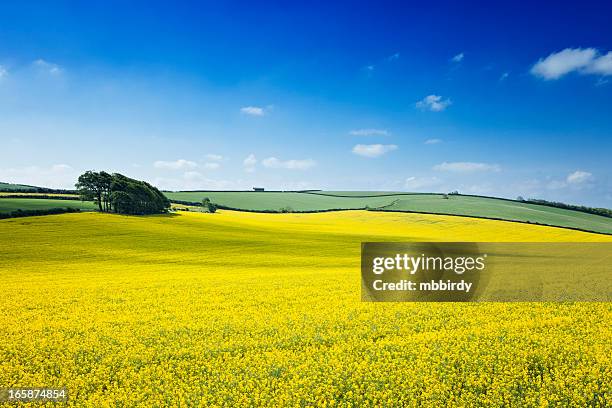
258,189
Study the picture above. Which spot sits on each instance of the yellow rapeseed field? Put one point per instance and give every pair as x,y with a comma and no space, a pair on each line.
241,309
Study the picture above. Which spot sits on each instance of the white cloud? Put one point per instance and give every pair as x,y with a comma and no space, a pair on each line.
274,163
214,157
48,67
393,57
249,163
192,180
212,166
576,180
60,168
504,76
371,67
192,175
373,150
582,60
466,167
433,141
417,183
601,65
3,72
253,111
458,57
368,132
179,164
434,103
579,177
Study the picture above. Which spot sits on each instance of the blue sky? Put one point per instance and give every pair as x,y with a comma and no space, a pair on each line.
495,100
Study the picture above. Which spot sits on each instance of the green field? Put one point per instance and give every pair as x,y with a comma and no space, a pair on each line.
358,193
503,209
392,201
274,201
12,204
350,200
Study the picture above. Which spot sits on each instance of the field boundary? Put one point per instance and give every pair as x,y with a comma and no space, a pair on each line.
368,196
325,194
279,211
34,213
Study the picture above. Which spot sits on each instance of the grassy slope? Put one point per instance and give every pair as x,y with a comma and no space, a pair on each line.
12,204
508,210
240,309
431,203
357,193
275,201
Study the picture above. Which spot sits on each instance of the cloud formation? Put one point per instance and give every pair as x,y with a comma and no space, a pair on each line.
458,57
274,163
434,103
249,163
48,67
61,168
368,132
581,60
579,177
253,111
371,67
3,72
179,164
466,167
393,57
417,183
432,141
192,175
373,150
214,157
212,165
193,180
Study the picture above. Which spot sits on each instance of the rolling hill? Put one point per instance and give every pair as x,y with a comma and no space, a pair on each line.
17,187
471,206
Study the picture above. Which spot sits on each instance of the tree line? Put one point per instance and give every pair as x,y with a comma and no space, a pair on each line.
120,194
47,211
605,212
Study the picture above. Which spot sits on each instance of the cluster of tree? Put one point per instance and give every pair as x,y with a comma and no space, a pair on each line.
47,211
597,211
209,205
120,194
